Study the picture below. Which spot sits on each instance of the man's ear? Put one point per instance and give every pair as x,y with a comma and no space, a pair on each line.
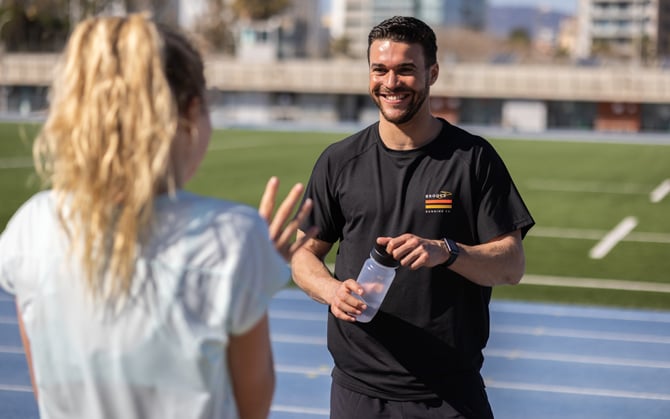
434,72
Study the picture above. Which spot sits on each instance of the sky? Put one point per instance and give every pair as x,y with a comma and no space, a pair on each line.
568,6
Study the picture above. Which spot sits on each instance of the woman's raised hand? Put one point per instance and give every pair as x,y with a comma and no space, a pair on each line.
282,228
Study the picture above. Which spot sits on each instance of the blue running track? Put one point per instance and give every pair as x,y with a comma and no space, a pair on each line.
542,361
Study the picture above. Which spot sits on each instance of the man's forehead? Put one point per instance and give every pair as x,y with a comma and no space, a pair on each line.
387,49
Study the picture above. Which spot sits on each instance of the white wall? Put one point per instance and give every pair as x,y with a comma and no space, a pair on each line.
523,115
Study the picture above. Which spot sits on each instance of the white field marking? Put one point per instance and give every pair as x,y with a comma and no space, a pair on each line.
235,145
610,284
258,143
648,237
299,339
581,391
16,163
321,370
581,334
299,410
21,389
588,187
612,238
10,350
590,234
575,359
566,233
660,192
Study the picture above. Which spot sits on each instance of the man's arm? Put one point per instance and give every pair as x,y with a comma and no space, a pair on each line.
497,262
312,275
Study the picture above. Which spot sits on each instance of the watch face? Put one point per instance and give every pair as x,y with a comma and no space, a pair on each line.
452,246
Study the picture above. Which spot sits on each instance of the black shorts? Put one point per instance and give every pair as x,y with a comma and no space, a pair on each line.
347,404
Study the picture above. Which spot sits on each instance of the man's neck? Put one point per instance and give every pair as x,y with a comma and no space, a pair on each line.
410,135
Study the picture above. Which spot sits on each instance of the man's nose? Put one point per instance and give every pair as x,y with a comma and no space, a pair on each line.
391,79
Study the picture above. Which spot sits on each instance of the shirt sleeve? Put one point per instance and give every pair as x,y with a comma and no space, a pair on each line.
501,208
10,251
326,213
259,274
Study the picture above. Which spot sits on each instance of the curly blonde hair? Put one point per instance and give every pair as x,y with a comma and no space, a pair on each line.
122,86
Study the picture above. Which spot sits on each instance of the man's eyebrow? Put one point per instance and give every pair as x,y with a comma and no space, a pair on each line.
401,66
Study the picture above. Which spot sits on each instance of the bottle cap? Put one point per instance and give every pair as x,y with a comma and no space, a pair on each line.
379,254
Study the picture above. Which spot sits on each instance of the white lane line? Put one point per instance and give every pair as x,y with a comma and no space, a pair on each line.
582,391
612,238
321,316
299,339
299,410
575,359
611,284
660,192
22,389
8,320
598,313
10,350
321,370
581,334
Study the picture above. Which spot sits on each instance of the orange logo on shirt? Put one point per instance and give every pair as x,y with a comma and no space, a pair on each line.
439,202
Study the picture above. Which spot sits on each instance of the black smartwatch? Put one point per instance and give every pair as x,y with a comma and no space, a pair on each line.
453,249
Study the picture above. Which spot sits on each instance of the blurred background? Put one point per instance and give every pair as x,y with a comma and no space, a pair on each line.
575,96
524,66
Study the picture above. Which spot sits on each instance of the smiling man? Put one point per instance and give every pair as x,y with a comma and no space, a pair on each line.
443,203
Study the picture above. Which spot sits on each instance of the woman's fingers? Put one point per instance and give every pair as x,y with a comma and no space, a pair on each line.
267,204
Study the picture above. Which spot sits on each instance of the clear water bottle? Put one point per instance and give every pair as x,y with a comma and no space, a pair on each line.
375,277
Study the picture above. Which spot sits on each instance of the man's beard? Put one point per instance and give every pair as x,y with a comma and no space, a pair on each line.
418,98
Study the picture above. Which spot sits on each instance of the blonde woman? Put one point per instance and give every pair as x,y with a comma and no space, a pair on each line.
136,299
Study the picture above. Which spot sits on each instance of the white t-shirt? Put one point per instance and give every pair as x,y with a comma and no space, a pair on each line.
208,272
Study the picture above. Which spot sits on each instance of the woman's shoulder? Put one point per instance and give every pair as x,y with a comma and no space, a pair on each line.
35,209
197,212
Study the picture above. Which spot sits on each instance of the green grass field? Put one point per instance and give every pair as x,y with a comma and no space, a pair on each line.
577,192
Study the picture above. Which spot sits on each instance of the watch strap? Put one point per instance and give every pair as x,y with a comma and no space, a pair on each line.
453,250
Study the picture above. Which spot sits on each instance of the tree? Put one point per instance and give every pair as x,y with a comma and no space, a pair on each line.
519,37
215,27
339,47
39,26
259,9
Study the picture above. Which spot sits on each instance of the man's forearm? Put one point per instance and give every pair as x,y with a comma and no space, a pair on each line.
312,275
499,262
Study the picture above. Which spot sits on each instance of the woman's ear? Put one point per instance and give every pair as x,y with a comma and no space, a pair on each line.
194,110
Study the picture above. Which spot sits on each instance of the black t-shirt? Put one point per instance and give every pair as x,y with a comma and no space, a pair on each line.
428,336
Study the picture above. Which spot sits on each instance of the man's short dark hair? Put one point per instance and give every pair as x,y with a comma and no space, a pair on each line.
408,30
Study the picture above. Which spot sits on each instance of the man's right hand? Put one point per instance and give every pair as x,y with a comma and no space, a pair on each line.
343,302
